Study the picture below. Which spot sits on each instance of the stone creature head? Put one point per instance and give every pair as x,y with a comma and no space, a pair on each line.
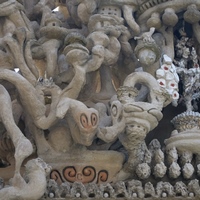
37,164
143,114
85,122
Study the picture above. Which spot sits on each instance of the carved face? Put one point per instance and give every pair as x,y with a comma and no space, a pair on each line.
141,117
37,164
85,125
147,56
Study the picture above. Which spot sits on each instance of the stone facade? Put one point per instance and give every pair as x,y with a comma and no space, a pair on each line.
99,99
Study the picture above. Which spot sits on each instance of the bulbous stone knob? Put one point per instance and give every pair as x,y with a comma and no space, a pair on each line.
154,21
169,17
192,15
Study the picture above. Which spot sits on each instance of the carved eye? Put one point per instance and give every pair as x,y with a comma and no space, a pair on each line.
114,110
93,119
84,120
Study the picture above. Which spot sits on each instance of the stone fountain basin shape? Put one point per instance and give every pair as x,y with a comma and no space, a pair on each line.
188,140
87,167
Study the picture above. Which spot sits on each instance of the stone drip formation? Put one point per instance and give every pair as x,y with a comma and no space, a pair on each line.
99,99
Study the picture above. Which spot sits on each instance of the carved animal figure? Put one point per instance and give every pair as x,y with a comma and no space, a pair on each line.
33,187
33,101
133,120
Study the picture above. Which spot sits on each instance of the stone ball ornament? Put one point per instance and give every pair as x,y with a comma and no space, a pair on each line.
169,17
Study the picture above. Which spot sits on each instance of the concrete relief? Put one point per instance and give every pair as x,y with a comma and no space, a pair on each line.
87,95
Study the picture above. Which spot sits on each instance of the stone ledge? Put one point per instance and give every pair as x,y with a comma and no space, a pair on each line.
152,198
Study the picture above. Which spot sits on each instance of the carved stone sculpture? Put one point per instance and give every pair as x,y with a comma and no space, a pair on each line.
105,92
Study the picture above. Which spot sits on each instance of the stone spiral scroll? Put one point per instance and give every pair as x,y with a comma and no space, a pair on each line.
87,174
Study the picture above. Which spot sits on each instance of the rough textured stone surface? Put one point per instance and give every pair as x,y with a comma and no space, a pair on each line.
106,92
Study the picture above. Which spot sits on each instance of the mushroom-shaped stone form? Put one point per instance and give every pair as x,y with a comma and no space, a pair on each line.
107,23
75,41
85,10
74,38
52,35
14,10
169,17
192,15
105,30
126,7
154,21
77,55
52,29
97,38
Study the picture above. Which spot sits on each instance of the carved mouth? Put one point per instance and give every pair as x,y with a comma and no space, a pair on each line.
136,131
143,107
87,140
75,46
137,124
